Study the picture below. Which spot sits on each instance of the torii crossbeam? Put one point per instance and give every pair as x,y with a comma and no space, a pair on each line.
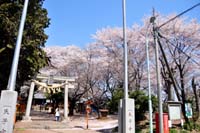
65,81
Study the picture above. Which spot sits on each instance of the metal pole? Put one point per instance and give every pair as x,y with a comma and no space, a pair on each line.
127,119
13,74
158,76
125,51
149,87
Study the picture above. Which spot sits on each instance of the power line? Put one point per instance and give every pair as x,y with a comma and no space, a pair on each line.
198,4
167,40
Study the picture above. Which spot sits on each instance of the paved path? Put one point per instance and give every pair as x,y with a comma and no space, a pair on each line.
45,123
55,131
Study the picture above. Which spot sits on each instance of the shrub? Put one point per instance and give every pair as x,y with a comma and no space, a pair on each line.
141,102
191,126
113,103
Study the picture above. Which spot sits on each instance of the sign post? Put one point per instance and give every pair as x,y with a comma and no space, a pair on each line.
88,110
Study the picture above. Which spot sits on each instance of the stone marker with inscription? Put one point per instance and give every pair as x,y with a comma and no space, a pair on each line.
7,110
127,116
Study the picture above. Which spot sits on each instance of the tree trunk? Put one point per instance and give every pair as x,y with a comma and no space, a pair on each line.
183,95
183,105
194,87
72,107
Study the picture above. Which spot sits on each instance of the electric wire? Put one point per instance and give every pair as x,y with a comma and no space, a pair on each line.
168,41
198,4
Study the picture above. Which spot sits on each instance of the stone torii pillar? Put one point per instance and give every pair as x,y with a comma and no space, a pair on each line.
67,86
29,103
66,101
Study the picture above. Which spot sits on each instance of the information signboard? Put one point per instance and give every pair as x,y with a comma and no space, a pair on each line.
174,112
188,110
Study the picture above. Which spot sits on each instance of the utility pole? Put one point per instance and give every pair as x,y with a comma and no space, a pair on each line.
159,91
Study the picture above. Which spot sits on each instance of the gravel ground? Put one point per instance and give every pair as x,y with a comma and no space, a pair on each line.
43,122
55,131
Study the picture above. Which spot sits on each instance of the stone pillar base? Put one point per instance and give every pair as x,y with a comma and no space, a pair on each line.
26,118
65,120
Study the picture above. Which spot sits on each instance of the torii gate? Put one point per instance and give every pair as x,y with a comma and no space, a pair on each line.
48,87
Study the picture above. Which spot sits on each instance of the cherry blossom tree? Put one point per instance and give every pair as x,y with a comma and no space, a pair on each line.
99,67
181,44
71,62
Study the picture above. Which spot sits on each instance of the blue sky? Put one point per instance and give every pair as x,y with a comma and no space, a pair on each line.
74,21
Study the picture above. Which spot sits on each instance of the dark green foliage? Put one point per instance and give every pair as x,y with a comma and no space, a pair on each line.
113,103
191,126
141,102
32,56
173,131
177,130
56,97
183,131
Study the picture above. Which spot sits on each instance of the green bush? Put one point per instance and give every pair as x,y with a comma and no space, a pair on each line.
191,126
113,103
188,126
173,130
141,102
183,131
